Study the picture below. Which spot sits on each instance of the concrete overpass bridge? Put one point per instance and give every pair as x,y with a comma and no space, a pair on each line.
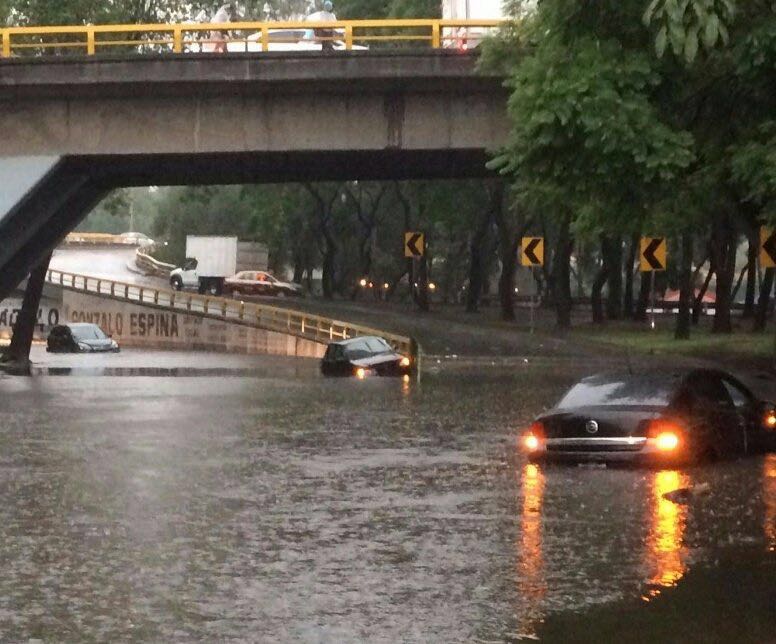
75,128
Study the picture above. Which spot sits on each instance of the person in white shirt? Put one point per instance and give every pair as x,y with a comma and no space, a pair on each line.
224,14
324,36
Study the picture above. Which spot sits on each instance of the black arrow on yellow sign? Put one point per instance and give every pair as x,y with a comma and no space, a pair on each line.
414,244
767,247
533,251
653,254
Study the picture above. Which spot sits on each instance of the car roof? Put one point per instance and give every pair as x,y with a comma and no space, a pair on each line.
359,338
79,325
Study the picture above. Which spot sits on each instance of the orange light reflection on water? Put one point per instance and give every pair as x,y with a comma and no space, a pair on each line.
769,498
530,558
665,547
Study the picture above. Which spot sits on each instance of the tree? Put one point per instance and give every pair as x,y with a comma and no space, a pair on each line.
587,143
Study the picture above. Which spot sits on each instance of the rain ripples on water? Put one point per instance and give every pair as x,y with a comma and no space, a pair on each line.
274,504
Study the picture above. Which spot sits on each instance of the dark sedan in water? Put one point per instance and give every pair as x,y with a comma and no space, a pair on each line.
362,357
80,338
665,419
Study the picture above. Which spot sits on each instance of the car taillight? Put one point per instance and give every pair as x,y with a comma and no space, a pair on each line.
532,439
666,433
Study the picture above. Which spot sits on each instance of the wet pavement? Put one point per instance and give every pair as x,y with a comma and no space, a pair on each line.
178,497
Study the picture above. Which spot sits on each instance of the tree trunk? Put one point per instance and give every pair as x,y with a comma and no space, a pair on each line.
683,322
724,248
18,354
421,292
598,286
613,252
327,273
698,304
628,309
476,263
763,304
562,275
751,273
643,302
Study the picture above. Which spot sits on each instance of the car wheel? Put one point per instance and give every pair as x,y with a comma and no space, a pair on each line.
281,294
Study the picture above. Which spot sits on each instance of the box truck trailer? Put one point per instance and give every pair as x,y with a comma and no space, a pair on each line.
211,259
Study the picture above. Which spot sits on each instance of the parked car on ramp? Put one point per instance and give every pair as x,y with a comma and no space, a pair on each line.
364,356
663,419
260,283
136,239
80,338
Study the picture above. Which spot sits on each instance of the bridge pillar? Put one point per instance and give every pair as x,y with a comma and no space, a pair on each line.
17,359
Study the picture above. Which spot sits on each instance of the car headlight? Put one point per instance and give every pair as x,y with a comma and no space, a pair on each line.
405,362
84,347
114,344
362,373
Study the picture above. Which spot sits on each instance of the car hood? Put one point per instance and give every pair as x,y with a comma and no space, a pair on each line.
372,361
97,345
291,285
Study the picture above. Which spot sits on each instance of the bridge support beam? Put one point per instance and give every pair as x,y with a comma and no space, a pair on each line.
17,359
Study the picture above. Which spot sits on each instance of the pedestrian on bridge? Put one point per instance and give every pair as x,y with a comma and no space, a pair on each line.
223,15
324,36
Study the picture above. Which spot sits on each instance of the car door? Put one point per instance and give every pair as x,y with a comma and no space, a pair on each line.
748,408
713,409
189,273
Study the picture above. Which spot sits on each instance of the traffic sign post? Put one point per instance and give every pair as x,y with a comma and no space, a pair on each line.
653,258
767,247
531,256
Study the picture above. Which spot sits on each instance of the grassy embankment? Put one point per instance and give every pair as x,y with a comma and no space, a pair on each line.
742,347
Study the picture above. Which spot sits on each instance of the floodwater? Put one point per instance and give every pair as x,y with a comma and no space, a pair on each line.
180,497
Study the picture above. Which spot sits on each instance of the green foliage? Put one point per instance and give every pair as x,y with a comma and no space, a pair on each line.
585,135
754,169
689,25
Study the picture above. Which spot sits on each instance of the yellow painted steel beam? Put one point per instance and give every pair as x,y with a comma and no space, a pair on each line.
12,38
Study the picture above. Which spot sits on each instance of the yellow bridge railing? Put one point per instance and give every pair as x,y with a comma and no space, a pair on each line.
272,318
252,36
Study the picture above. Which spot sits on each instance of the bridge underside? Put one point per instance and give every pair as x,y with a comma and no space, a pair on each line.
35,225
74,129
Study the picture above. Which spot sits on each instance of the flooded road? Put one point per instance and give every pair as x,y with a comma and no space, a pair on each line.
175,497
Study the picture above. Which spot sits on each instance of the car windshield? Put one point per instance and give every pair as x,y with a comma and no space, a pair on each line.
89,332
623,391
378,345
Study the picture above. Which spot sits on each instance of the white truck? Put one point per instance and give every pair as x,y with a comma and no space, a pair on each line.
472,10
464,38
211,259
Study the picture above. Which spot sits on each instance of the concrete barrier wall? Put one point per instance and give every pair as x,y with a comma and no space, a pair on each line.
132,325
49,314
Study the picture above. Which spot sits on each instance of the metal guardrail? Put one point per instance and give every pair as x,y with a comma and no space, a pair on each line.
271,318
151,265
178,37
101,239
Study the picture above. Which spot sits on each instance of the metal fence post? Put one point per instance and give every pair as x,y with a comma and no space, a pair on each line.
90,44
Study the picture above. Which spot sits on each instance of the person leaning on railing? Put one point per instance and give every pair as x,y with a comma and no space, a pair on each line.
324,36
223,15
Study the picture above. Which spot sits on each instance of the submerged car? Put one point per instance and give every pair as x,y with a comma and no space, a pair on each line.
663,419
260,283
364,356
80,338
